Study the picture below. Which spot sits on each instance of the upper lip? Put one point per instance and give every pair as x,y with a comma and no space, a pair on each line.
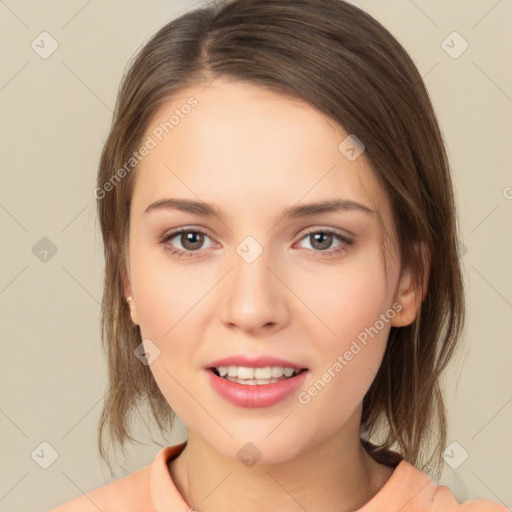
254,362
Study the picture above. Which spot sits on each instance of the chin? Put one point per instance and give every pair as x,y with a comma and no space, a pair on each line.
256,450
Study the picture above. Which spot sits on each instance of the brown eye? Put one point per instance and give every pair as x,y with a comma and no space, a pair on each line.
321,240
192,240
185,242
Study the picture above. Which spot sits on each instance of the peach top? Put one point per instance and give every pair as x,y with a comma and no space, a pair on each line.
152,489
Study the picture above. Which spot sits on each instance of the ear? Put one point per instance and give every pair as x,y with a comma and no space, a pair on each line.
409,293
127,290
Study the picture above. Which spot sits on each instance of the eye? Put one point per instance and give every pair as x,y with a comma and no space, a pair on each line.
322,239
190,240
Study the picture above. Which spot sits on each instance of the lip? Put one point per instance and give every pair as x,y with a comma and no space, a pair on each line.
258,395
254,362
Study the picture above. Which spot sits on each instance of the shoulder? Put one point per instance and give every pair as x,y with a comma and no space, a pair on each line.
424,494
444,501
409,489
149,488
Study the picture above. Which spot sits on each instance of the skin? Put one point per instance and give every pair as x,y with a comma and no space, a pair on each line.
253,153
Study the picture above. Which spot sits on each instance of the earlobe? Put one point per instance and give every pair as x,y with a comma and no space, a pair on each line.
133,310
407,298
410,294
129,297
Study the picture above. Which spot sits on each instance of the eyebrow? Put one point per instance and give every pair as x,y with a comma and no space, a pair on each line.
298,211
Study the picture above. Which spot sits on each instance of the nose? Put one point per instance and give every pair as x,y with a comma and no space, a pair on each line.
253,298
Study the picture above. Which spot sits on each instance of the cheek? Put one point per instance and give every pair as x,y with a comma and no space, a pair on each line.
349,297
166,292
351,337
169,309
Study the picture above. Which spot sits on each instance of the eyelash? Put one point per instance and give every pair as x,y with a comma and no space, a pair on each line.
345,242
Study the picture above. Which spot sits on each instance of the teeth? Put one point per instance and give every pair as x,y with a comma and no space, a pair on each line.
246,373
255,381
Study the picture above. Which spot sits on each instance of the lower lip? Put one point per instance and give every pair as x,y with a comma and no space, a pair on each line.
258,395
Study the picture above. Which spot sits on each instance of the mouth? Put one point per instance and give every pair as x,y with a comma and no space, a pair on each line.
256,376
256,386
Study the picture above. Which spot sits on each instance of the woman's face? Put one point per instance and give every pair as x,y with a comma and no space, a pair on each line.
309,288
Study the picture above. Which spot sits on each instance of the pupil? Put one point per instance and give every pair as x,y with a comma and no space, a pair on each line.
326,236
189,239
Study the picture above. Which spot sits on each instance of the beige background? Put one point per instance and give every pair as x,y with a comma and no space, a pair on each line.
56,113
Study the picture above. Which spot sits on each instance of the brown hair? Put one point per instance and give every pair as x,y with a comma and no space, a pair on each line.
341,61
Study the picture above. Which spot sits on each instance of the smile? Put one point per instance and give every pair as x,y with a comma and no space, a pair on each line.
251,392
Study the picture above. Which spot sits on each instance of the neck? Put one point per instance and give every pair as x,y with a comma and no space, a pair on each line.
335,475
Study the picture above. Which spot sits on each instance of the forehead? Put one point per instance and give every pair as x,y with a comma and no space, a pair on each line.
244,146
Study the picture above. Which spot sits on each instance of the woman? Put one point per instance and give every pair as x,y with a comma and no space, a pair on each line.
282,271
